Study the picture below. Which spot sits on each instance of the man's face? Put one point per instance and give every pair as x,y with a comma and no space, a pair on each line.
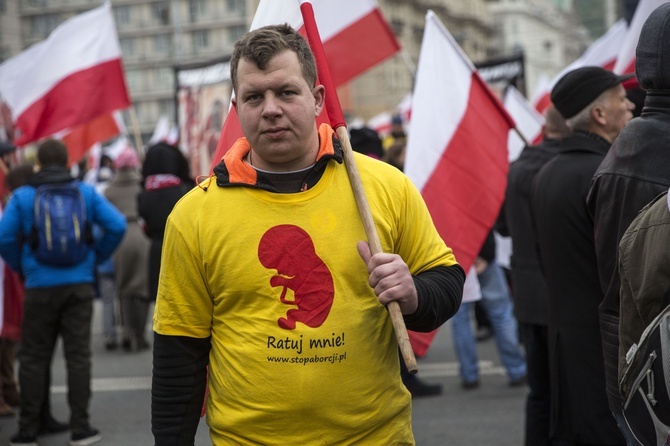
618,110
277,110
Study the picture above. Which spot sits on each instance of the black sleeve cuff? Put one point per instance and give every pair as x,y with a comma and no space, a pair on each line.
440,291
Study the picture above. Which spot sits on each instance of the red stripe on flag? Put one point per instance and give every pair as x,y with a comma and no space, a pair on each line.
333,107
78,98
373,32
81,138
470,179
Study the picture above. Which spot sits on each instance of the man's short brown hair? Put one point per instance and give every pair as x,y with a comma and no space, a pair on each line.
262,44
52,152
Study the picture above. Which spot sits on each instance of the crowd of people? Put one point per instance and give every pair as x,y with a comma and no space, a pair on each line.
43,302
270,303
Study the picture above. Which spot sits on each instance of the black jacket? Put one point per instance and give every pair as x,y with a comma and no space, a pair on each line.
580,411
635,171
531,303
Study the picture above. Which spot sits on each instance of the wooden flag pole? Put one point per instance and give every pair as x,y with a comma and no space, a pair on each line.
375,246
134,122
337,121
525,142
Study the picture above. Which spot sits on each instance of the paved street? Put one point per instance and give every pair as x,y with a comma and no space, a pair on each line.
489,415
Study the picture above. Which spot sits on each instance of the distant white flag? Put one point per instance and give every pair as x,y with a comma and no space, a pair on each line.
602,53
625,63
528,122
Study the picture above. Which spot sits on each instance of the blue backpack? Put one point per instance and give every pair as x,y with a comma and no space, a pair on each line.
61,234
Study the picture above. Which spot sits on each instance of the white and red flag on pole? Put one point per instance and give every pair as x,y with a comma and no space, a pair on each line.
625,63
355,37
602,53
528,122
69,79
456,149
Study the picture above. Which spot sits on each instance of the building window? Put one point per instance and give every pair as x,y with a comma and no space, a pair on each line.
166,107
127,46
235,32
42,25
133,79
122,15
3,5
161,13
197,9
164,77
237,6
200,40
162,43
38,2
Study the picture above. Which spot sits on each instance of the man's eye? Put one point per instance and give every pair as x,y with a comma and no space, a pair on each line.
287,93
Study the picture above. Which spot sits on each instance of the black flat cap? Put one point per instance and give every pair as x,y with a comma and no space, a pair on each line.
578,88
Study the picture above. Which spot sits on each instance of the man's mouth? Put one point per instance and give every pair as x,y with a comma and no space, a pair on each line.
275,132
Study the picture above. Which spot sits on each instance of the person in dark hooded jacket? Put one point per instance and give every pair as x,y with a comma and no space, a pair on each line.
634,171
166,179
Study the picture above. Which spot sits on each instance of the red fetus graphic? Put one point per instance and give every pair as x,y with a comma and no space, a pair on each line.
290,251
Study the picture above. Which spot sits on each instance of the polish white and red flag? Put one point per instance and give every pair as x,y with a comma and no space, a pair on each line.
625,63
604,52
355,37
457,148
69,79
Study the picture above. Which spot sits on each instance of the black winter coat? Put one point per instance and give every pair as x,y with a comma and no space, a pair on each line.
580,412
531,301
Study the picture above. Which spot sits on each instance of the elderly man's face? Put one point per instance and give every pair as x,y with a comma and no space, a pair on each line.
618,110
277,111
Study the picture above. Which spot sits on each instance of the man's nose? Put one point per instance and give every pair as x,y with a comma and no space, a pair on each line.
271,106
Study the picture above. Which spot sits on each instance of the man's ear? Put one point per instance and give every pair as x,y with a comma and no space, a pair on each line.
599,115
319,93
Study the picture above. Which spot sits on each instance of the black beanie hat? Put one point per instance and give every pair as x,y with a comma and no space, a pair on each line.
652,56
578,88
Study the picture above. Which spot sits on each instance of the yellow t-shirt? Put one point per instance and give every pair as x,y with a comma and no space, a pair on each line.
302,351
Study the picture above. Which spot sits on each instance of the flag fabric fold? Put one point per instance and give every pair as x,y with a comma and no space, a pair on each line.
355,38
71,78
457,148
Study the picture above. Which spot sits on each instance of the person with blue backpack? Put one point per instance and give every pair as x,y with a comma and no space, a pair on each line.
45,235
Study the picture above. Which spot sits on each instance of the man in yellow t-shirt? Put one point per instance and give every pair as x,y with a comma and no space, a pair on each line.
265,279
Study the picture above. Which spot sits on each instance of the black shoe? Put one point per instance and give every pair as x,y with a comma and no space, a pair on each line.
51,426
23,439
519,382
470,385
418,388
127,345
85,437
